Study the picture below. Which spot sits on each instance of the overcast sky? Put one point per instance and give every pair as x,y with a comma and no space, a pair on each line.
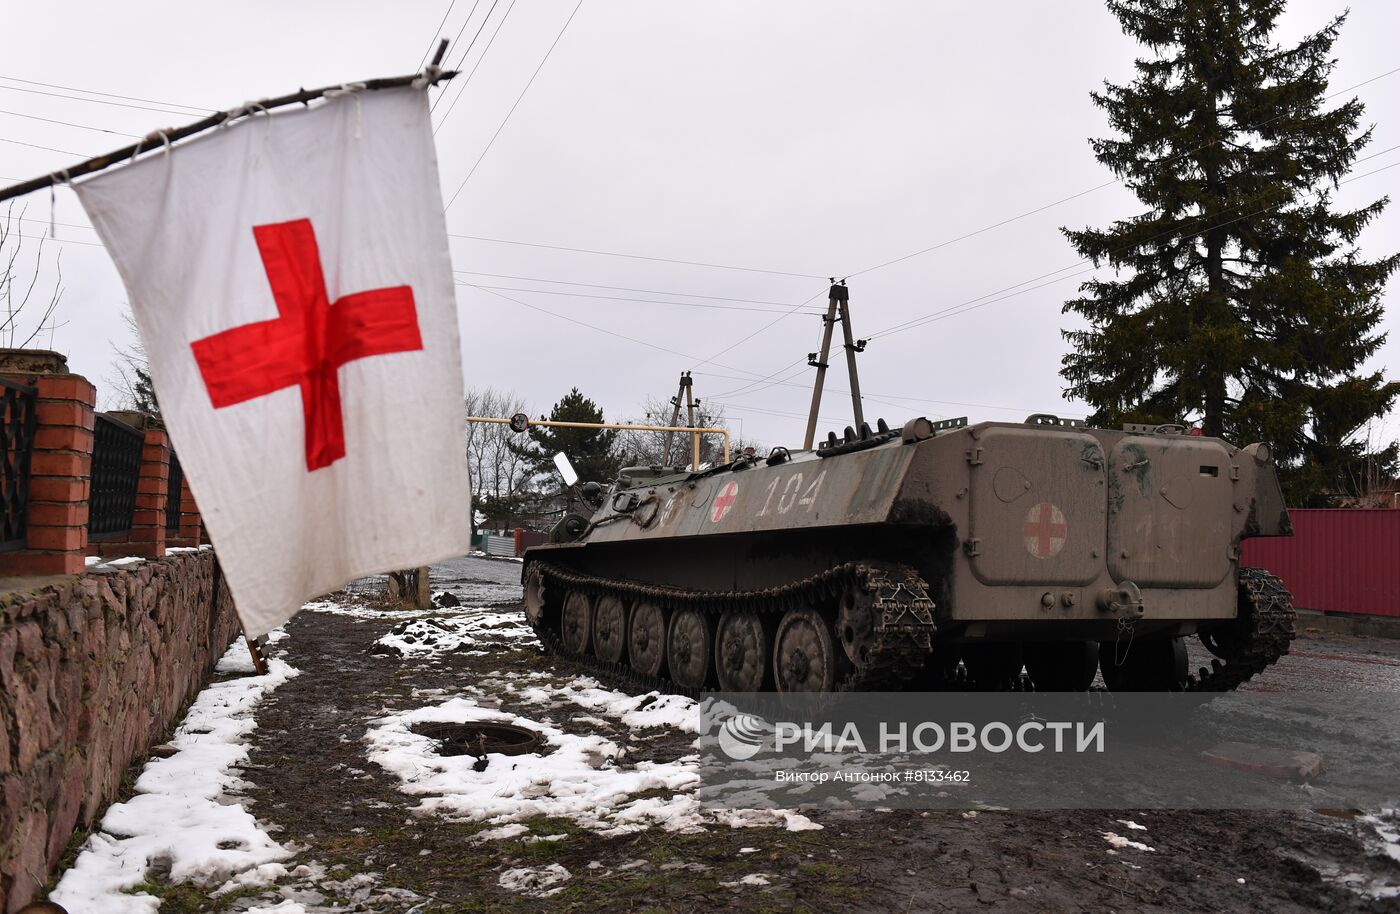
810,138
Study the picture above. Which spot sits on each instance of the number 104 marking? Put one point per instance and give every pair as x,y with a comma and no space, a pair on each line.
788,498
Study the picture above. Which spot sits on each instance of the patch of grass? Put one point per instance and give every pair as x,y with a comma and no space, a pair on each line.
551,825
824,871
534,851
184,898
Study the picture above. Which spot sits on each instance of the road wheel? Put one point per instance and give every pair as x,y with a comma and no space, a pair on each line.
534,596
1062,666
689,647
743,644
609,629
646,639
576,622
992,665
1147,664
804,657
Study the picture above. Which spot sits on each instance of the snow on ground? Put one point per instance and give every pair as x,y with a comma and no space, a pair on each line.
585,778
467,628
651,709
537,881
363,612
750,879
1387,827
1119,842
181,815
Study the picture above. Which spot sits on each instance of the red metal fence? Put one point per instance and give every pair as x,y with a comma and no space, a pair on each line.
1339,559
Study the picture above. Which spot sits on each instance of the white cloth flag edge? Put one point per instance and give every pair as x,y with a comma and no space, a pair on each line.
454,541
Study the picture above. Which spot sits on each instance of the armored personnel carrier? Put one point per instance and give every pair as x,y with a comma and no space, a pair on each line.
935,555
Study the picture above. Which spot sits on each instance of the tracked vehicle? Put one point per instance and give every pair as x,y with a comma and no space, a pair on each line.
935,555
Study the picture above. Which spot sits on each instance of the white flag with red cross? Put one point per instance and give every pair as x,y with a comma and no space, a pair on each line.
292,284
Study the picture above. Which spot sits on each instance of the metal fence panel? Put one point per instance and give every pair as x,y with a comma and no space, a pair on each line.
172,495
18,420
1338,560
500,545
116,471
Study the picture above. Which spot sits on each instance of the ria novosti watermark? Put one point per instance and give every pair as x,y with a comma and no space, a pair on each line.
1049,750
954,736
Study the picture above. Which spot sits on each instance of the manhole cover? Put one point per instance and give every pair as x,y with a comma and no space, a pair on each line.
481,738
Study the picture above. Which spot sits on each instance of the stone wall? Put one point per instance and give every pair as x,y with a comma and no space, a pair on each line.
93,671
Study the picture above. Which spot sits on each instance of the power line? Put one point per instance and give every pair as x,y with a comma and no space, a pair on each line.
95,101
528,84
912,322
436,32
985,228
642,301
591,285
189,109
49,120
461,90
688,263
1040,209
463,59
81,155
48,222
795,309
46,238
781,413
574,320
976,303
582,323
455,39
753,388
883,397
997,225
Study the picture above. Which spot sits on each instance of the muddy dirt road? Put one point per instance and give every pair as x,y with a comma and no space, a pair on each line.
333,774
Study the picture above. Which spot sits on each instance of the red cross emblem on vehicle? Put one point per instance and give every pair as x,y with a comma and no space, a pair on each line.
308,341
1045,530
724,501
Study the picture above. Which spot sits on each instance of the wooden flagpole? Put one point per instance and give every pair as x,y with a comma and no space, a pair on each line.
158,139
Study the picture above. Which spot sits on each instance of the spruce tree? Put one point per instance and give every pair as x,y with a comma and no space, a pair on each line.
1238,298
590,450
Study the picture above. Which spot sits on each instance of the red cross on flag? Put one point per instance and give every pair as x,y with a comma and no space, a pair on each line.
292,284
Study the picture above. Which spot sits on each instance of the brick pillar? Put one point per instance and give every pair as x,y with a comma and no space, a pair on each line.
189,519
60,476
148,520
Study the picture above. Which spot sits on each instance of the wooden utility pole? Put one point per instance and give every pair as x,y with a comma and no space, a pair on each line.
852,348
838,308
690,404
676,415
